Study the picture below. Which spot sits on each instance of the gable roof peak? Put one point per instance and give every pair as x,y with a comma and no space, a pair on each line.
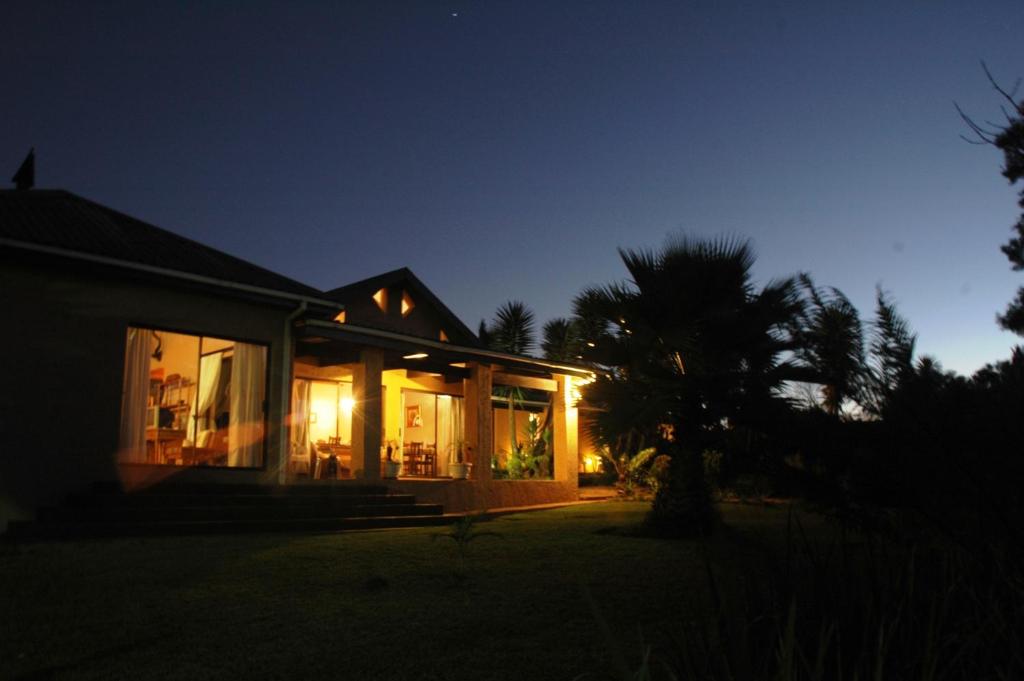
405,276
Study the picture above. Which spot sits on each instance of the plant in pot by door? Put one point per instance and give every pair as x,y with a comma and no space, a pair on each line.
392,460
459,469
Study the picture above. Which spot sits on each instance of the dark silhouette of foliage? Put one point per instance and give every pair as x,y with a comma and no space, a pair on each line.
891,352
1009,139
511,330
686,343
954,444
484,334
562,342
830,342
841,605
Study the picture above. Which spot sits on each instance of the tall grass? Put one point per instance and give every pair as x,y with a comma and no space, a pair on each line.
858,607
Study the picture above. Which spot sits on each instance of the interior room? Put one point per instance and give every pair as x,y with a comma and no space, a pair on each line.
422,421
193,400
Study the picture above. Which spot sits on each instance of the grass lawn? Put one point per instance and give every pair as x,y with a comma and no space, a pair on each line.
370,605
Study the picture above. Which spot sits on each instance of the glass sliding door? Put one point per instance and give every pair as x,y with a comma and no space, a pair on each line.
329,427
432,432
449,431
330,411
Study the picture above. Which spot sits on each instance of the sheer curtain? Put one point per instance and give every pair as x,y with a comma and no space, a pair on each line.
245,425
457,425
300,421
209,376
135,396
449,431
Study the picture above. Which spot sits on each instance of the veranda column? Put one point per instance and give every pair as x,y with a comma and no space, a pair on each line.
478,419
566,435
366,414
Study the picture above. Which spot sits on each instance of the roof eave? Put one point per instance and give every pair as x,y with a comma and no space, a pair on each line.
399,341
199,279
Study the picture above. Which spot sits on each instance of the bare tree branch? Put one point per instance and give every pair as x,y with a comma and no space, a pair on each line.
1008,96
984,136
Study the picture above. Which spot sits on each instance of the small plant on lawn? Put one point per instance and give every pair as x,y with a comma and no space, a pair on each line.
636,470
463,531
643,471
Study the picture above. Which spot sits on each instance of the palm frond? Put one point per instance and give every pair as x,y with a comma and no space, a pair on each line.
512,330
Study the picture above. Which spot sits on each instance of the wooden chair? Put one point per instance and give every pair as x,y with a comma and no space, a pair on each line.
411,458
302,459
430,461
211,449
344,455
326,463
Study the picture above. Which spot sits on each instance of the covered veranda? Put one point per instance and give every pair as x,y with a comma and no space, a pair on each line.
362,396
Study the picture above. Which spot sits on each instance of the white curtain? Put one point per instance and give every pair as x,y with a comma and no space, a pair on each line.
209,377
135,396
245,425
449,431
457,425
300,420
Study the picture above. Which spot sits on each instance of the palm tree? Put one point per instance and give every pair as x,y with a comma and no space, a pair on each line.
511,330
688,345
484,334
892,353
562,341
830,342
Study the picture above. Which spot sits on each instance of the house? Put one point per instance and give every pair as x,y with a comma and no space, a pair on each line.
135,356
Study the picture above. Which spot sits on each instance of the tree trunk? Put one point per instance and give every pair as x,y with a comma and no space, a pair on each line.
683,506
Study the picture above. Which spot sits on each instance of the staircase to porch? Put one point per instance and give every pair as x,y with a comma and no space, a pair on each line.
186,509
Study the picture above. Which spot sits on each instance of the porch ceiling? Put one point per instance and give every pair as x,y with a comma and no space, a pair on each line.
335,353
333,343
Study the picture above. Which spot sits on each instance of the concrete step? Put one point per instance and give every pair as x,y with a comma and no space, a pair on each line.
211,511
179,499
43,530
314,488
107,511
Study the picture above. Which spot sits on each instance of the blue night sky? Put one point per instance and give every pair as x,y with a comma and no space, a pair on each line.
503,150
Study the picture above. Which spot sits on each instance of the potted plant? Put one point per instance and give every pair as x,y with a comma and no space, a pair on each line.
459,469
392,460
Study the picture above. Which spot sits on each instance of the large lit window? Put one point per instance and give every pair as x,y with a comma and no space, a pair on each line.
523,447
192,400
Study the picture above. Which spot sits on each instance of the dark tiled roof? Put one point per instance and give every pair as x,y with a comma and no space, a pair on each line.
60,219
